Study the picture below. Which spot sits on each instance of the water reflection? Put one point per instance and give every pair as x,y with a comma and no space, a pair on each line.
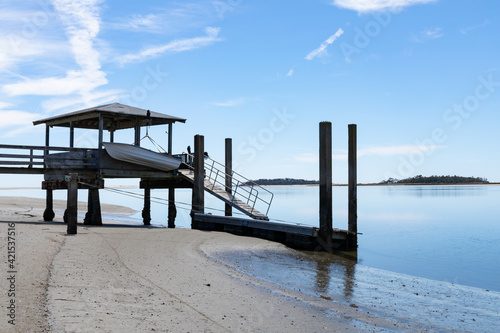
435,191
340,266
329,276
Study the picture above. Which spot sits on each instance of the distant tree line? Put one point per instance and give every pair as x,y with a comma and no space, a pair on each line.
283,181
437,180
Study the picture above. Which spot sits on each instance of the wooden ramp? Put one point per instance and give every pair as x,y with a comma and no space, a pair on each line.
221,194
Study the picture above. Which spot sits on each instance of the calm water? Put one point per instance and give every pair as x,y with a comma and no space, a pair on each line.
444,233
428,256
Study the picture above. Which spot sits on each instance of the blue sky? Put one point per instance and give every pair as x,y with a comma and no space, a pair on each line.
420,78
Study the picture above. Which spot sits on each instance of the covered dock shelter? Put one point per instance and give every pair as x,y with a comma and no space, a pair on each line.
93,165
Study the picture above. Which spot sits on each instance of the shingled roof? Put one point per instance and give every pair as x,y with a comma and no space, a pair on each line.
115,116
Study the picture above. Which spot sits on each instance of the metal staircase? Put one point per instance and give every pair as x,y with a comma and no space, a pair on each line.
246,196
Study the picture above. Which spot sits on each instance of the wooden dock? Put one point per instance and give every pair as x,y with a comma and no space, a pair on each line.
71,168
296,236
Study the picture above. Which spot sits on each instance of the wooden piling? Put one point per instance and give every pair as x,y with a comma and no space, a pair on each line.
229,174
172,209
72,203
146,211
48,214
198,202
93,215
353,195
325,184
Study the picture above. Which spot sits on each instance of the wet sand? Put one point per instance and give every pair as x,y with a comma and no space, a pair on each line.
110,279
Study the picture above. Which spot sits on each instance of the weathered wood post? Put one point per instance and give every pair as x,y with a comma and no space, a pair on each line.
325,185
48,213
198,203
146,211
137,133
353,195
47,143
93,216
229,174
100,139
72,203
71,134
172,209
170,128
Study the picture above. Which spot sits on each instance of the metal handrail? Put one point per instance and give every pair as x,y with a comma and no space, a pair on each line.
216,174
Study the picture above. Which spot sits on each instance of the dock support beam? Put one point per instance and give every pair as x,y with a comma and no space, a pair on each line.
172,210
48,214
325,185
353,195
170,128
72,203
71,134
146,211
198,202
229,174
137,133
93,216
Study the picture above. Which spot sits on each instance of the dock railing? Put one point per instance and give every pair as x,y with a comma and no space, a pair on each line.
242,188
38,158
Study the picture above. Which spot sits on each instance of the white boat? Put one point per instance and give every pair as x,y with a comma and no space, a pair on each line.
141,156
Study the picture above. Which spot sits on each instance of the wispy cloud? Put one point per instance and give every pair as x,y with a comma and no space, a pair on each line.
290,72
81,20
428,34
321,50
466,31
176,46
4,105
364,6
14,118
172,18
15,122
230,102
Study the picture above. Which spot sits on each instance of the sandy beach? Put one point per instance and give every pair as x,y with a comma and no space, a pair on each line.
135,279
110,279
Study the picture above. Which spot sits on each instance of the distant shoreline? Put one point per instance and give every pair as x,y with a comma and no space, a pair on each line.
376,184
296,185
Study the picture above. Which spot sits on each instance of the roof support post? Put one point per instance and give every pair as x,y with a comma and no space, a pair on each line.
101,130
170,126
71,134
137,130
47,143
